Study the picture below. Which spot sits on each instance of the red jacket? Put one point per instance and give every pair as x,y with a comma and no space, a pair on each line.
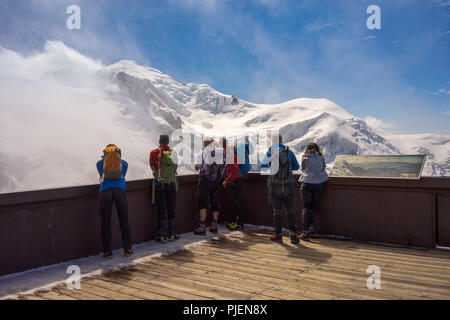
232,169
153,157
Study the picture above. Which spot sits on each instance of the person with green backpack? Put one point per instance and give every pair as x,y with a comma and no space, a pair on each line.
281,186
163,163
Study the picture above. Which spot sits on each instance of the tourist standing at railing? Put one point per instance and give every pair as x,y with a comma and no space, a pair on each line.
281,186
163,163
112,170
210,162
234,173
312,180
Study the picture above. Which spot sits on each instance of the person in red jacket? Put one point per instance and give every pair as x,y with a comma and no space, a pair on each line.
234,176
165,194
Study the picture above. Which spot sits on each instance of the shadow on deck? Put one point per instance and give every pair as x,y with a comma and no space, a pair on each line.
246,266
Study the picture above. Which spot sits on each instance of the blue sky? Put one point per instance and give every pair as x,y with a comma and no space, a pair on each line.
268,51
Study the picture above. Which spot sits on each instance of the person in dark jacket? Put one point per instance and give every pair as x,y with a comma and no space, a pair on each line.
312,180
165,194
114,191
282,192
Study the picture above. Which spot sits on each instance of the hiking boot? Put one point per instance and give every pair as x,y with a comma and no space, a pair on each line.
294,238
161,239
201,230
237,227
174,237
232,225
277,237
304,236
128,252
213,228
107,255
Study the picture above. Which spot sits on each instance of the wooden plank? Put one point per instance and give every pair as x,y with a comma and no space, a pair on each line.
387,284
77,294
30,297
388,273
199,286
295,292
342,258
106,293
160,291
301,251
135,294
167,288
270,269
51,295
222,280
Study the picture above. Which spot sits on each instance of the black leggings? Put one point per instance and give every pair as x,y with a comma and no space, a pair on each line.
119,198
310,198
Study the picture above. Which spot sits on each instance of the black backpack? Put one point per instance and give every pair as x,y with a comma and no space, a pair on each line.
213,172
279,182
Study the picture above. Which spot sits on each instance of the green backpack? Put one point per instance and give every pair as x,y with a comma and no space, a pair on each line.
167,172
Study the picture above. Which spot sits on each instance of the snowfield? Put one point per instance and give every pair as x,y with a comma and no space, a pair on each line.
58,109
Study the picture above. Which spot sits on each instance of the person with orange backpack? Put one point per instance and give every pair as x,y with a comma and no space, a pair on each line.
163,163
112,170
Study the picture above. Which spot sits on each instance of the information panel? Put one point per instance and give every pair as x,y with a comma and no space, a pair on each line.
378,166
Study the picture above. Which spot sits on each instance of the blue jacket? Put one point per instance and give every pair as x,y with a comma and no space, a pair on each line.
244,167
116,183
265,163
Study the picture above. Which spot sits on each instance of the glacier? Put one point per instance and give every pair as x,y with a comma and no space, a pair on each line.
59,108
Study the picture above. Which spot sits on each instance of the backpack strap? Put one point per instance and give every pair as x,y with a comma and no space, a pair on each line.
156,174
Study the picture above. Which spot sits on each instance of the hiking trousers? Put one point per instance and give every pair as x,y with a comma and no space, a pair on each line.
236,189
286,201
310,198
119,198
165,201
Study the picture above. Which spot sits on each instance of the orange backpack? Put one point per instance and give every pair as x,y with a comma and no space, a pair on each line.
112,163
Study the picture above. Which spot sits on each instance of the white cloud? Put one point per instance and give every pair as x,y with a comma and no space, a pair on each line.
319,26
57,112
369,37
377,123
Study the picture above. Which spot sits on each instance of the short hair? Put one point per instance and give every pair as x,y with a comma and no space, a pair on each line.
277,137
207,141
164,139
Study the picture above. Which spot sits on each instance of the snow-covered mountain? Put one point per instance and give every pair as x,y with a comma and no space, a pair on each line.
58,109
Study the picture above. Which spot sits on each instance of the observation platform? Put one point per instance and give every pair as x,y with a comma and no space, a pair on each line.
247,266
399,225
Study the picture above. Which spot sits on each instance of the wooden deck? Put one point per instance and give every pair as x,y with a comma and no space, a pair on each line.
246,266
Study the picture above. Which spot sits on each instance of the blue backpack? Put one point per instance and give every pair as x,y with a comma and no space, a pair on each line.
245,167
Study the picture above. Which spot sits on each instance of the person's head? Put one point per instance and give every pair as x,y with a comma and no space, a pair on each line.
163,140
312,147
207,141
277,138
